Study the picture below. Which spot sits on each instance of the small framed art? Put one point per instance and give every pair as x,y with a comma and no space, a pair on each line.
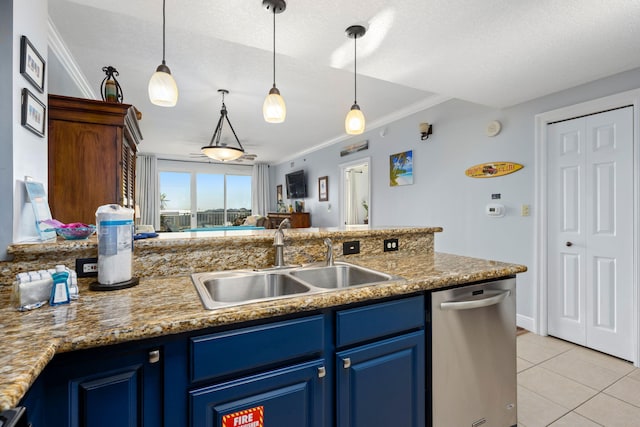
323,188
34,113
31,64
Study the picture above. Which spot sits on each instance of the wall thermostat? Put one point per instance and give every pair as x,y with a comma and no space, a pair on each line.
495,210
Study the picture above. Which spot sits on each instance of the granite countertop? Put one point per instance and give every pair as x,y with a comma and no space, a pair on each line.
168,305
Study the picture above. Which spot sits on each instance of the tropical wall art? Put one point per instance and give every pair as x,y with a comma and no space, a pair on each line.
401,168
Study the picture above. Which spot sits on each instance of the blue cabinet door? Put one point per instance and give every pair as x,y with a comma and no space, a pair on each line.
291,396
103,388
382,384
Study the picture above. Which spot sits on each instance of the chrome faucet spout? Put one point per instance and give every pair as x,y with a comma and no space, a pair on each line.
329,246
278,242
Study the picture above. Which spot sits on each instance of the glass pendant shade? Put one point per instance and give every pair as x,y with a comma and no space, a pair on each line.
163,90
354,122
223,154
274,110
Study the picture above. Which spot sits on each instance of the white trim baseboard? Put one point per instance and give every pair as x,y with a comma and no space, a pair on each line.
526,322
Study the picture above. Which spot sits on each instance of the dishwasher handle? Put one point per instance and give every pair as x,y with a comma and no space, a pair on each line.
495,297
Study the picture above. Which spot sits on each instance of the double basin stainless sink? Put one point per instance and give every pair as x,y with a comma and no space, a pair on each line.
236,287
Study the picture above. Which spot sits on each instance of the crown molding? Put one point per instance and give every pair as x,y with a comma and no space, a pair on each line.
60,50
416,107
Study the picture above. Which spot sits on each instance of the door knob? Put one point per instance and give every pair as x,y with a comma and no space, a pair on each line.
569,244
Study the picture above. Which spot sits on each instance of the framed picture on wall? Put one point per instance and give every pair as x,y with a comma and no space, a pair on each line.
401,168
31,64
323,188
279,193
34,113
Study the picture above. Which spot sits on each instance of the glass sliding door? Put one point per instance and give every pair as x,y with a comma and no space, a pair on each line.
175,201
238,197
210,200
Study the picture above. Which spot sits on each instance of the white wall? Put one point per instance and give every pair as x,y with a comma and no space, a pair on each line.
22,153
441,194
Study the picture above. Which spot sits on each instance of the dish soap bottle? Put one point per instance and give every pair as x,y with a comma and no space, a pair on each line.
60,288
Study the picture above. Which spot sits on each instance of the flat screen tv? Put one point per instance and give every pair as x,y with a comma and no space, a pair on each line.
296,185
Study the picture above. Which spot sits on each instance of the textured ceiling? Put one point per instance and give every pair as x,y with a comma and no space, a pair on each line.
415,53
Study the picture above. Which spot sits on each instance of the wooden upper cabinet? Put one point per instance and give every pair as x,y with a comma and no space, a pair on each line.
92,156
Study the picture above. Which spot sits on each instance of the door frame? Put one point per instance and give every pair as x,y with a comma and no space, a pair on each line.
540,270
343,192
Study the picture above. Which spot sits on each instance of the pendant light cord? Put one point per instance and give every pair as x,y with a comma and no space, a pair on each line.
355,70
164,3
274,47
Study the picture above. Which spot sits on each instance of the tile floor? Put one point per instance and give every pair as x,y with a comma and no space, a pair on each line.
561,384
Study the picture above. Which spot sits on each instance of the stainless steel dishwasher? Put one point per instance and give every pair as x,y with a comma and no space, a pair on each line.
473,345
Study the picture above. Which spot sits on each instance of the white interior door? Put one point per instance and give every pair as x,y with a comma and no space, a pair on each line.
590,231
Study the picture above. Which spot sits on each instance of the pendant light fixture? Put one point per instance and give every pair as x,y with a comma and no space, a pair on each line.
274,110
354,122
222,152
163,90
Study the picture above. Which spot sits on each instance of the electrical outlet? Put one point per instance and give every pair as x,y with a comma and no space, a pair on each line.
351,248
524,210
87,267
390,245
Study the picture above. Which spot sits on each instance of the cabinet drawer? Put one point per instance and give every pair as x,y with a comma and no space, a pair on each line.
379,320
250,348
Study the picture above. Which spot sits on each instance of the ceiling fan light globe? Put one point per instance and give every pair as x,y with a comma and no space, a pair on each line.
223,154
274,110
354,123
163,90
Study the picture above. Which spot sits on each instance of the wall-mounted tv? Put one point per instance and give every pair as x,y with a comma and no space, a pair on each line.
296,185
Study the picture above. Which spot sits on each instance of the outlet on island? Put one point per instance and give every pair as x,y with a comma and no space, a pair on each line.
87,267
351,248
390,245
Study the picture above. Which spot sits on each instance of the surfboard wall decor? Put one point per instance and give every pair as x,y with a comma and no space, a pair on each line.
493,169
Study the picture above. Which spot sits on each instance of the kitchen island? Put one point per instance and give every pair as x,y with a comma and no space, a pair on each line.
165,303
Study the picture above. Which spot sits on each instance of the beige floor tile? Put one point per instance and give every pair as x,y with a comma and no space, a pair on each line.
635,374
557,388
536,411
627,389
604,360
522,364
610,412
537,350
574,420
549,342
575,366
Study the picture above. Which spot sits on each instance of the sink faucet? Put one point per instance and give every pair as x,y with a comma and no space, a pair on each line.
327,242
278,242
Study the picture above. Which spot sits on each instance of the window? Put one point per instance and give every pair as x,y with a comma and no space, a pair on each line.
197,199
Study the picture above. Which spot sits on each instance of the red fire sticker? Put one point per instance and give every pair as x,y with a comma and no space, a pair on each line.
253,417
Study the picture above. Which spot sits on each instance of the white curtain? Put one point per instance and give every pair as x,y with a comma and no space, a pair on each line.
352,200
260,189
148,190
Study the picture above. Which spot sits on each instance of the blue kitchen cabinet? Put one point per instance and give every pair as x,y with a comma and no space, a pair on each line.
382,384
290,396
380,365
104,387
356,366
266,375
